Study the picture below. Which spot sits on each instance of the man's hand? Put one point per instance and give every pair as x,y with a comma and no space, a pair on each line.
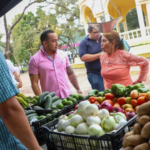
79,91
19,85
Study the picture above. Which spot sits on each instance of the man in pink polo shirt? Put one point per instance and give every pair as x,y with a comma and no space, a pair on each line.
52,68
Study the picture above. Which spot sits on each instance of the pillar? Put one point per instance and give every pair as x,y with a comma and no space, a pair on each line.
125,29
107,17
86,29
148,12
141,20
118,28
146,19
98,20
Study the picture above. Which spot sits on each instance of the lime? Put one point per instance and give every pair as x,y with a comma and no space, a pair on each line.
74,100
69,98
69,103
60,105
64,101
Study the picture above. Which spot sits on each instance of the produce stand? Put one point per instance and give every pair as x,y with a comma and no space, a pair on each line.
63,141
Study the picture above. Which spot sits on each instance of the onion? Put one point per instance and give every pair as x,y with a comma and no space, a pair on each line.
70,116
70,129
106,105
75,120
82,128
60,125
64,117
95,130
82,106
103,113
93,120
65,124
130,115
92,109
108,123
117,109
119,116
84,116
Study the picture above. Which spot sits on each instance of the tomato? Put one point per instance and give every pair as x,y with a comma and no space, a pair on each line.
147,96
109,101
96,102
121,101
115,100
109,96
134,102
134,94
129,109
92,99
142,94
116,104
141,100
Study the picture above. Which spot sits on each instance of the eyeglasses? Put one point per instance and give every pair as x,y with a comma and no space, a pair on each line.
96,32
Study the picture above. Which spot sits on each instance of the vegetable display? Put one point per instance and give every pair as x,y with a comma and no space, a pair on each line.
139,138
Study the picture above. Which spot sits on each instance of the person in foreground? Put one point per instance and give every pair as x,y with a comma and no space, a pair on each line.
52,68
13,121
89,52
116,62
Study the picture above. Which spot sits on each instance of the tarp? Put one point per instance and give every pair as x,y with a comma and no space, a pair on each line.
6,5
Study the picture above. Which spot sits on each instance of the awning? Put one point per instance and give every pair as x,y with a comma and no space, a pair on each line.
6,5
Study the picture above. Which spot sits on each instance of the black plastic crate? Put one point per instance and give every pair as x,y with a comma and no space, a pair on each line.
36,126
63,141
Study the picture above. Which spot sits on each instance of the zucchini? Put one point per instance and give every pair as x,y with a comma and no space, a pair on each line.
55,98
30,112
37,108
52,94
41,97
48,103
34,114
56,103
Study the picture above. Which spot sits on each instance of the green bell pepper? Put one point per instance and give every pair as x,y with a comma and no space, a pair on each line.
100,94
107,91
93,92
143,90
118,89
138,85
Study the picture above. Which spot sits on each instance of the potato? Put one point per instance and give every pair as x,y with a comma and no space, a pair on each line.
144,146
137,119
129,148
144,119
137,128
143,109
125,136
134,140
145,133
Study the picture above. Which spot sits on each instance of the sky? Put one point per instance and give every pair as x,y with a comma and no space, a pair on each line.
16,10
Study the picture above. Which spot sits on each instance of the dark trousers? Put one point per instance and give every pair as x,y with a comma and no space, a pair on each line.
96,81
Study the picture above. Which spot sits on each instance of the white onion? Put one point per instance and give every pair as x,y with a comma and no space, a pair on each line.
82,128
70,129
84,116
75,120
60,125
103,113
62,117
93,120
66,123
82,106
91,109
117,126
70,116
95,130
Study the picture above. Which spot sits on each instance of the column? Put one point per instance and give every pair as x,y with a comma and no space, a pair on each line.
148,12
98,20
107,17
146,19
118,28
125,29
86,29
141,20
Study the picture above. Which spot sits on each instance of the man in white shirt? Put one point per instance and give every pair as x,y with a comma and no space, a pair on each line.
14,74
17,69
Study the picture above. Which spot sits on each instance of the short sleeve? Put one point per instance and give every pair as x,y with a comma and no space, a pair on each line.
82,48
7,87
33,68
10,66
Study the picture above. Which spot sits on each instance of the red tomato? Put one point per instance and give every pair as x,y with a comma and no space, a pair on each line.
109,101
134,94
147,96
141,100
116,104
134,102
109,96
142,94
121,100
92,99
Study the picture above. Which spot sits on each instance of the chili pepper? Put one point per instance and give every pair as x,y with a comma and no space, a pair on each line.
143,90
107,91
92,99
93,92
138,85
100,94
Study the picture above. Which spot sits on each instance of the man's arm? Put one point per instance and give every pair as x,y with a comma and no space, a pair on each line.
18,79
90,57
73,79
16,121
34,78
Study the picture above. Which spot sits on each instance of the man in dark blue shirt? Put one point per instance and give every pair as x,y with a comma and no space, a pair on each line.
89,52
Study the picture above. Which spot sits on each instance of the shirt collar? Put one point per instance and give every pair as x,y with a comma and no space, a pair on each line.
87,37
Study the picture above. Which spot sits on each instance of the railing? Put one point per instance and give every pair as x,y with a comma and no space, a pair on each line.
133,34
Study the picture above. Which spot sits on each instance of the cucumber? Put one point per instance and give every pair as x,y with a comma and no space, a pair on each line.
52,94
48,102
41,97
30,118
37,108
56,103
34,114
41,117
55,98
44,99
30,112
48,115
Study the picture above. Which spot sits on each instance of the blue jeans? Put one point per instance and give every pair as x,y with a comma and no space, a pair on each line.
96,81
